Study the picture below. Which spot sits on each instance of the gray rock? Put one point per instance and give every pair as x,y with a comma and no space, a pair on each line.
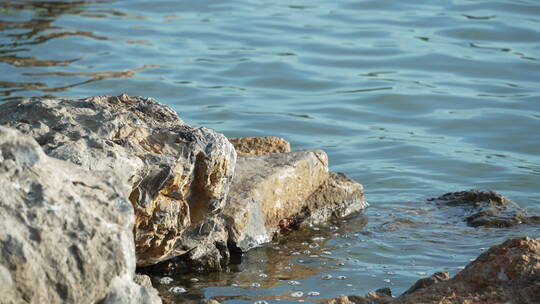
65,232
485,208
176,176
125,291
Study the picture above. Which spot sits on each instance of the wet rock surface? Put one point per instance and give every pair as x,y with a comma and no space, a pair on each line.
506,273
260,145
176,176
65,232
486,208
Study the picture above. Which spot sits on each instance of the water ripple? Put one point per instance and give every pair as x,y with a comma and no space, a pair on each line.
410,98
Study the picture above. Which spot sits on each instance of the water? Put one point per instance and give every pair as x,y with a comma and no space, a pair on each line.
411,99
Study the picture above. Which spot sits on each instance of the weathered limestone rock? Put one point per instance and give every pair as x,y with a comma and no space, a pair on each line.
269,188
506,273
65,232
337,197
178,175
486,208
275,191
260,145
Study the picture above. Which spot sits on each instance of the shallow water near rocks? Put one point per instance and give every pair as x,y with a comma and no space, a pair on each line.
411,99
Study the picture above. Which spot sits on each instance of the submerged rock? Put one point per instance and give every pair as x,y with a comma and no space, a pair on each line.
486,208
260,145
506,273
176,176
65,232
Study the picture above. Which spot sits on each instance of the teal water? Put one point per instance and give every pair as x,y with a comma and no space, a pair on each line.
412,99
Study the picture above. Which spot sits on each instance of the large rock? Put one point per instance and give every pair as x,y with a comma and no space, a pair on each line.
65,232
506,273
177,175
486,208
272,192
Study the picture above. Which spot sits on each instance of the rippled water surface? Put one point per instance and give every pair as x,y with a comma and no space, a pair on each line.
410,98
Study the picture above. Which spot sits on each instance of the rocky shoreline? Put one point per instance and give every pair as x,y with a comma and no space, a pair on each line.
92,188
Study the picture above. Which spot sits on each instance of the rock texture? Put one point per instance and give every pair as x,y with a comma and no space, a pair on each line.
65,232
337,197
272,192
177,175
506,273
269,188
260,145
486,208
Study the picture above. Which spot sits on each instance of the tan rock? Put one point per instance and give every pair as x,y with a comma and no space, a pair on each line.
260,145
271,193
337,197
269,188
177,175
506,273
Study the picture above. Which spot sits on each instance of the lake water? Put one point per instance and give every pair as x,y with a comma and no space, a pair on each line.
410,98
